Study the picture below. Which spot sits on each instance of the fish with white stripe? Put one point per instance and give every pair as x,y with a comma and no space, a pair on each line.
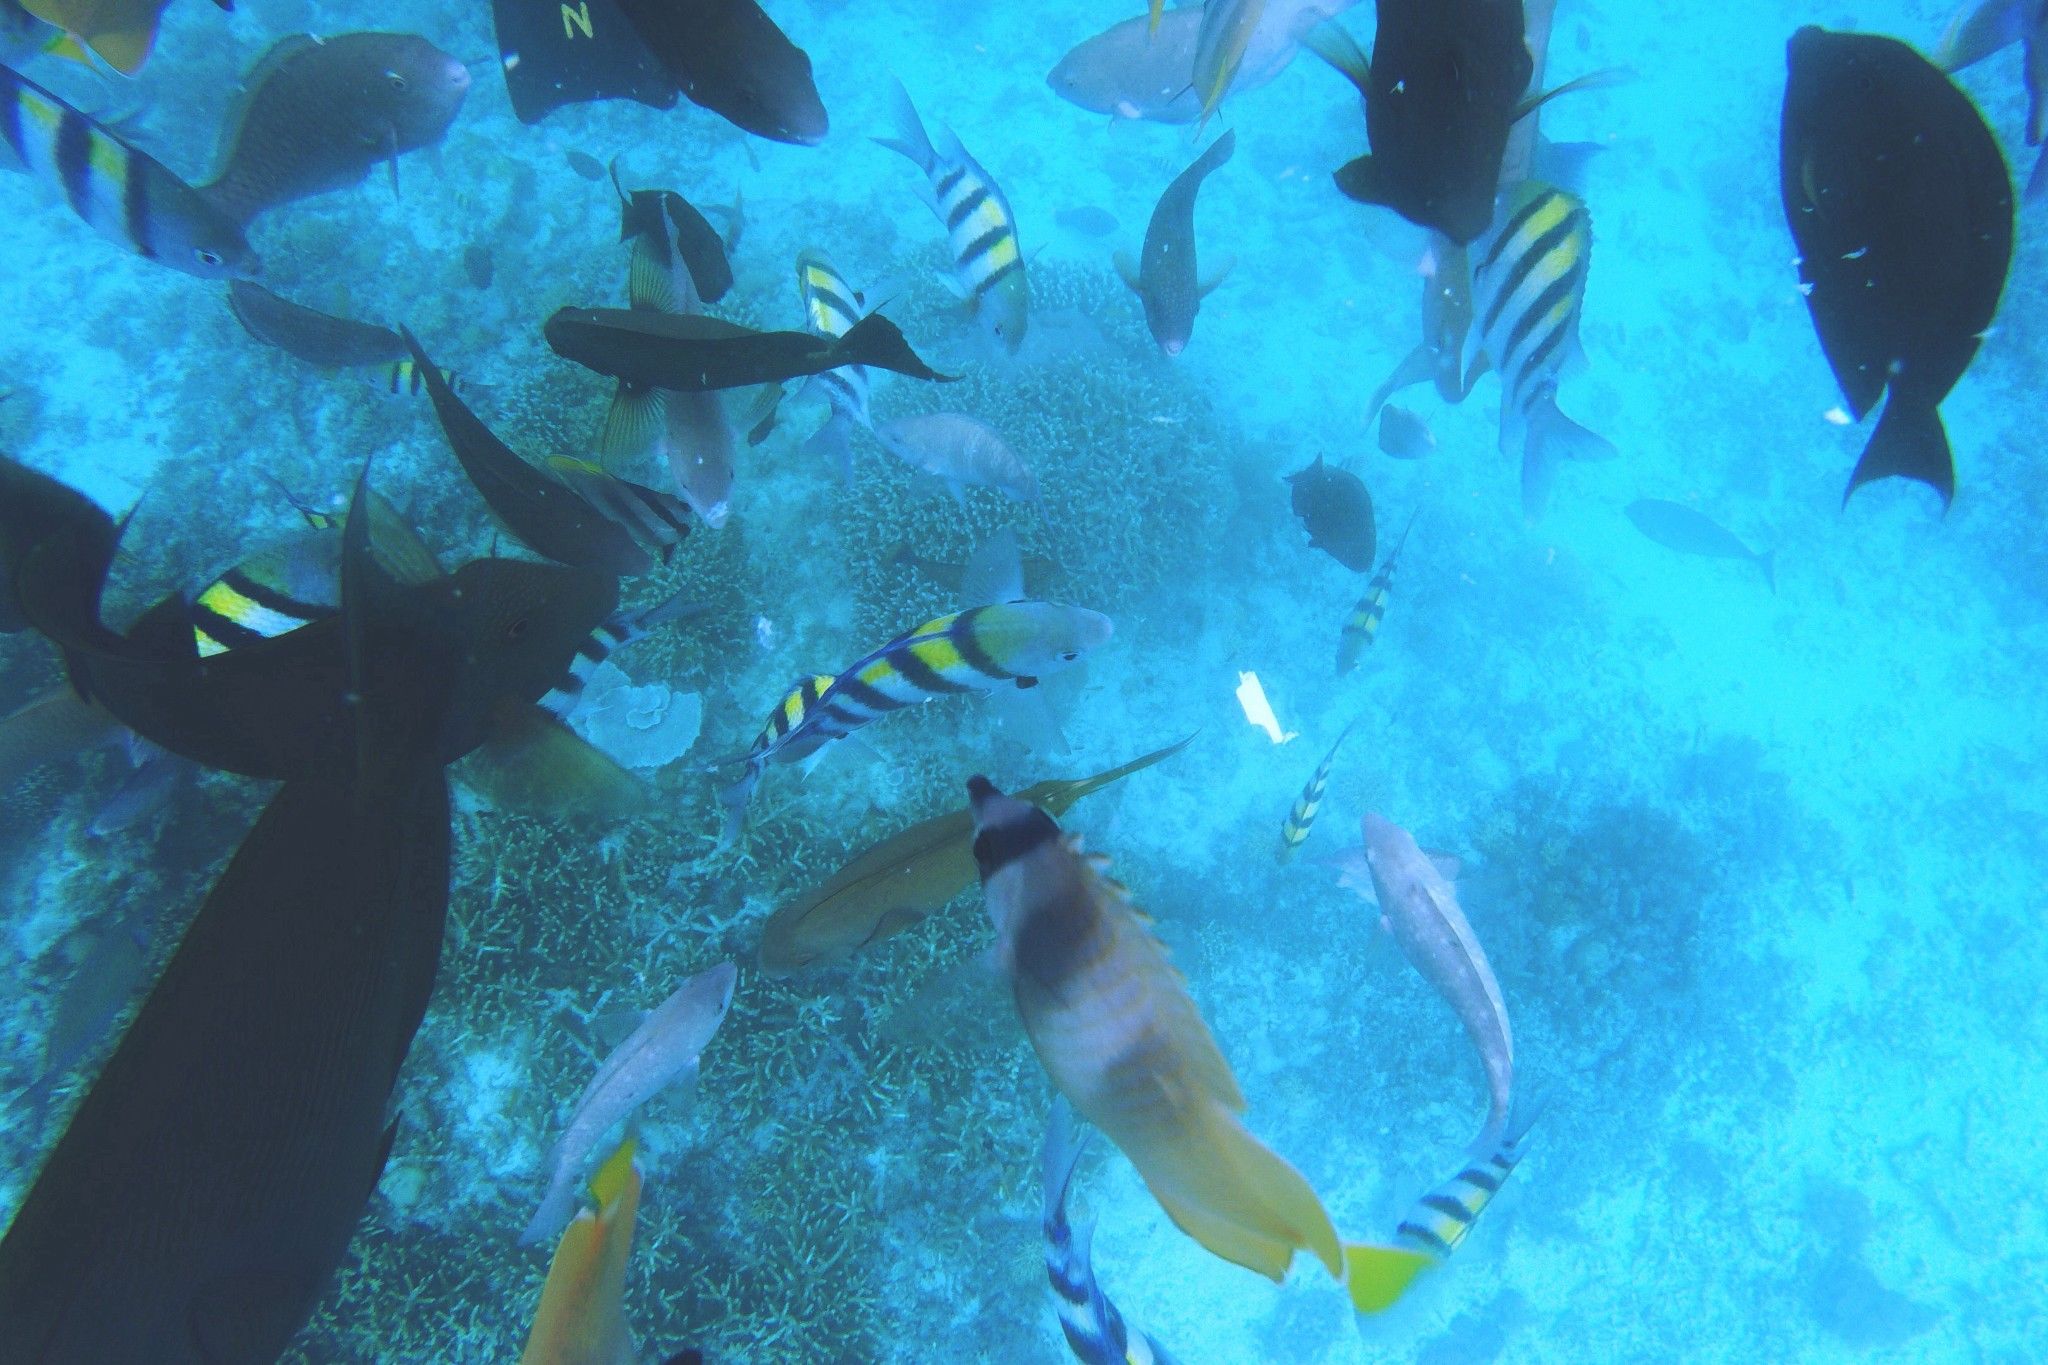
1528,284
1096,1332
988,264
1301,817
831,307
125,195
1363,621
1004,644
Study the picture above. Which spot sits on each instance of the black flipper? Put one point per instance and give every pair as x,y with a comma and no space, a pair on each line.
701,247
1359,179
1909,442
554,55
878,342
546,515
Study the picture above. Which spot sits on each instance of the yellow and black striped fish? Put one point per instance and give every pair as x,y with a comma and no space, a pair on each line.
977,650
657,520
1528,282
831,307
1434,1228
1301,818
988,264
403,376
1363,621
126,196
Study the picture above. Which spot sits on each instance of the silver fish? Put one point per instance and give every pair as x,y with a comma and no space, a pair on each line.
1692,532
959,450
1404,435
662,1049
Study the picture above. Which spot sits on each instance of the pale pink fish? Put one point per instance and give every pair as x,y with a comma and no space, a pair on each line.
700,449
662,1049
959,450
1418,906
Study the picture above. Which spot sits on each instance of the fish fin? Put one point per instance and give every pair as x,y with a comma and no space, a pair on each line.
878,342
1126,268
994,572
833,441
958,490
1604,79
734,798
1359,179
1566,164
1207,284
1066,1138
1377,1276
1257,1210
1549,437
633,426
1911,443
675,607
1153,15
909,137
1978,30
1354,873
1446,866
68,48
2037,183
1335,45
1417,367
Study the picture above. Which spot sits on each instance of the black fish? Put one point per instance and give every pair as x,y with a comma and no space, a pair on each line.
314,337
585,165
1442,87
695,353
317,114
1337,510
1901,207
664,229
210,1181
725,55
1165,278
546,515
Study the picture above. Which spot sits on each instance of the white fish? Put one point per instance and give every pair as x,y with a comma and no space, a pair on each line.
959,450
1419,906
662,1049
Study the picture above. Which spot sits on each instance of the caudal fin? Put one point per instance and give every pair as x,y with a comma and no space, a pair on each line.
1911,443
1550,437
909,136
1376,1277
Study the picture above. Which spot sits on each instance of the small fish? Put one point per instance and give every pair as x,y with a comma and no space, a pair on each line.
1088,220
1118,1035
1336,509
1690,531
663,1049
54,725
112,960
959,451
686,351
906,877
1301,816
690,432
124,195
977,650
678,261
1528,284
614,633
1980,30
478,265
310,335
1096,1332
657,520
1439,357
405,377
153,775
1165,277
981,230
584,164
1404,435
1418,904
831,308
1362,623
1900,205
952,577
1220,46
316,114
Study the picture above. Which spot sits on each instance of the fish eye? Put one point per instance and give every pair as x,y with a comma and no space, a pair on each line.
207,257
397,81
1070,656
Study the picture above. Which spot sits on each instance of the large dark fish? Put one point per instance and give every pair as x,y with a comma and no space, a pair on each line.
1165,278
547,515
1336,509
210,1181
316,114
313,336
1441,90
1901,207
125,195
724,55
694,353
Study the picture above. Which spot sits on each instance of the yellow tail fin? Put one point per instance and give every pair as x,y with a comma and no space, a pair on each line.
1378,1276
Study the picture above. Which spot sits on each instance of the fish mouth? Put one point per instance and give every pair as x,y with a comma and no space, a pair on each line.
1171,349
714,514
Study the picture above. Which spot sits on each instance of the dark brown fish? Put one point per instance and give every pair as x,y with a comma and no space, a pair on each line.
1335,507
317,114
314,337
693,353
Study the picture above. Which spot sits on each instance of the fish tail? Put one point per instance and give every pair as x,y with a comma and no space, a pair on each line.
2037,183
1065,1140
834,441
1909,442
910,138
1549,437
734,798
1243,1201
1377,1276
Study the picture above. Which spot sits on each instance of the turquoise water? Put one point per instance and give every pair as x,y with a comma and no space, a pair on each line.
1758,873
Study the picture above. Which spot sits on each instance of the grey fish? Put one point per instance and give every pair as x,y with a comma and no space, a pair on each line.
1692,532
312,336
1164,277
1404,435
1132,71
316,114
585,165
959,450
1088,220
1977,32
109,970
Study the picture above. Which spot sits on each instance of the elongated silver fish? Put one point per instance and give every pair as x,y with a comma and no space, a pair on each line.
665,1047
988,264
1690,531
1528,282
122,194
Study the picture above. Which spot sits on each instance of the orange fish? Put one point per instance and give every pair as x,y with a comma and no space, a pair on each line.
121,32
582,1315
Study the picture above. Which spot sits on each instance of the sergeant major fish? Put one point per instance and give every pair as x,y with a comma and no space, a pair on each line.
1362,622
988,265
1301,816
1096,1332
976,650
1528,283
1165,277
122,194
831,308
